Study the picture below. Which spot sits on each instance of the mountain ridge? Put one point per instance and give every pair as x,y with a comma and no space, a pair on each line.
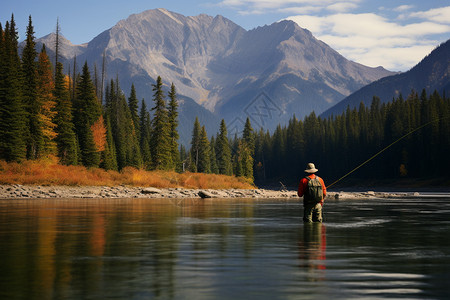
431,73
224,68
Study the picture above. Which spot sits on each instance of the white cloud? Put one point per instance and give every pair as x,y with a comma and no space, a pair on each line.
397,43
392,58
267,6
300,10
403,8
439,15
374,40
342,6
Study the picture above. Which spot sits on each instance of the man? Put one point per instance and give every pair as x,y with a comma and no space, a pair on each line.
313,190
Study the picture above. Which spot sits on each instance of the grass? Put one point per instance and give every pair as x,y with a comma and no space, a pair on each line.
49,172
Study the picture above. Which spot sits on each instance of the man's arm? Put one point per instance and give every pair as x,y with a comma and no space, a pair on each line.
301,188
324,188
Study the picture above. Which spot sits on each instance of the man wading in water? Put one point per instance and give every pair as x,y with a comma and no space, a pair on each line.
313,190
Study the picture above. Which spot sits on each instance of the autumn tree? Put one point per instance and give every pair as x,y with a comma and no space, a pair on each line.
46,99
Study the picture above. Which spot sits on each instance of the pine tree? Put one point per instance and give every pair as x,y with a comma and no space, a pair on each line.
195,145
108,159
295,147
66,138
190,165
74,78
278,152
34,136
204,162
103,75
133,105
12,114
87,111
237,161
46,99
127,145
173,126
223,151
115,112
247,150
259,156
249,136
212,154
145,129
58,31
160,141
183,159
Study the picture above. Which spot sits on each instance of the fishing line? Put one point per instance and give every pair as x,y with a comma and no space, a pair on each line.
384,149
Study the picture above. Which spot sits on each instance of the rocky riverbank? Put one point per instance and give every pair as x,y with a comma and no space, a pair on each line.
18,191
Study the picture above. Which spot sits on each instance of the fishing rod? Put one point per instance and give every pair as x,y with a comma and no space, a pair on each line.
385,148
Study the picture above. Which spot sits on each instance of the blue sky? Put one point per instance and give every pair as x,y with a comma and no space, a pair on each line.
394,34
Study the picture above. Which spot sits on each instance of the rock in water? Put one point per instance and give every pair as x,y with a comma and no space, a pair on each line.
151,190
206,194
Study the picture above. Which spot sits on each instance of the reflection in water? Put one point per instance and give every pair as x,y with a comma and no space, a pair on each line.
222,249
312,249
74,248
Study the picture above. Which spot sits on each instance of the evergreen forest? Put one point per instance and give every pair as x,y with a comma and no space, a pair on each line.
83,119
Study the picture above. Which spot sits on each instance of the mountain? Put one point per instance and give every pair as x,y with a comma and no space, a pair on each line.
295,72
431,74
224,71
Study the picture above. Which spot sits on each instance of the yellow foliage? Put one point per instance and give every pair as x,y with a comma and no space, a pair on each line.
99,133
49,172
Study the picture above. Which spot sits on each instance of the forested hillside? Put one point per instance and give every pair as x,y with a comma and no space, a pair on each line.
45,113
339,144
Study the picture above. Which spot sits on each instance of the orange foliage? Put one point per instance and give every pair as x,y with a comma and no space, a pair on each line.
99,132
47,101
49,172
67,82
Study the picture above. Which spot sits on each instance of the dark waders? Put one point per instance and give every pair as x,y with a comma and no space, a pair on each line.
312,212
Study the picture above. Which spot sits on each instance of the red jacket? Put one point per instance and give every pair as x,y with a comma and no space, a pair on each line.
304,183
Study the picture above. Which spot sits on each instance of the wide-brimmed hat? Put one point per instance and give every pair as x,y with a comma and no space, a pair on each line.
311,168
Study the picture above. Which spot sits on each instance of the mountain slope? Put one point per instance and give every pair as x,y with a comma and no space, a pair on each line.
432,73
267,74
297,73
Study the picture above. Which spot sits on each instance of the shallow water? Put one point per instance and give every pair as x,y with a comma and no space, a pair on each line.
224,249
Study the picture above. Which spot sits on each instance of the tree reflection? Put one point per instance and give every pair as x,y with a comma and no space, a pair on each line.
64,249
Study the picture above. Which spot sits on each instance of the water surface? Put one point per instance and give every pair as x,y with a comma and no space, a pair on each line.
224,249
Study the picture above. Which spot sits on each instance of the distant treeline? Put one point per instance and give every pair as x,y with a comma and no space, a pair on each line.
338,144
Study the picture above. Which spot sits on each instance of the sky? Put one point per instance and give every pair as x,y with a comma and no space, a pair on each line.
394,34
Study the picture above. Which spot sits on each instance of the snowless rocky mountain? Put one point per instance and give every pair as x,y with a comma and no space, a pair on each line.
431,74
221,70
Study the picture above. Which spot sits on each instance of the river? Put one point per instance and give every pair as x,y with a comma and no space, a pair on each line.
224,249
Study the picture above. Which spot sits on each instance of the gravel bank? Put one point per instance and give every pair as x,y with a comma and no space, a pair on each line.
18,191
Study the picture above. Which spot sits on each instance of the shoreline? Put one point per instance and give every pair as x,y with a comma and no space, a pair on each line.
18,191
